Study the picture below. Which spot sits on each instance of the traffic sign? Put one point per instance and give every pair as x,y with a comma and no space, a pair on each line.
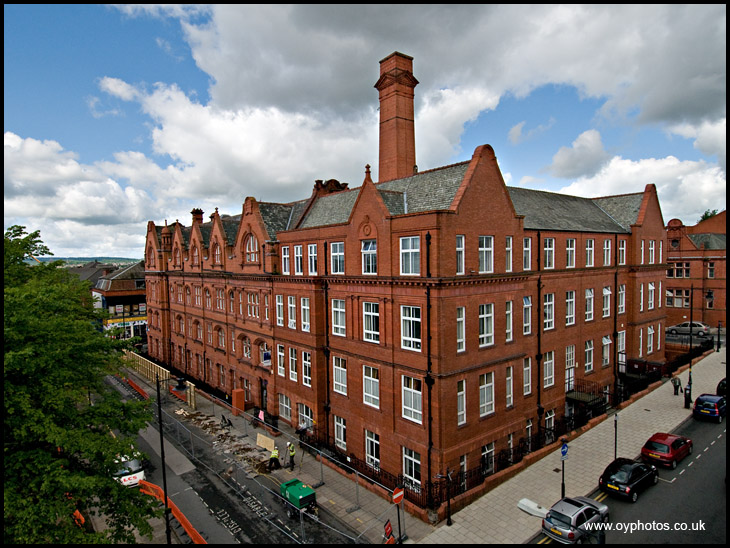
397,495
564,452
388,529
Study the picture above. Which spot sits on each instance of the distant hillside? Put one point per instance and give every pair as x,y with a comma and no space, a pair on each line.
79,261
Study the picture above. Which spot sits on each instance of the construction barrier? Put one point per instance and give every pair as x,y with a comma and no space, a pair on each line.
156,491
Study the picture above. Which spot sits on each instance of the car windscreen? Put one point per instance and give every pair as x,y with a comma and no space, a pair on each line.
129,467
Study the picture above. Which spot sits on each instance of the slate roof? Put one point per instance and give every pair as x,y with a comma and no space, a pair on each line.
431,190
551,211
624,209
710,240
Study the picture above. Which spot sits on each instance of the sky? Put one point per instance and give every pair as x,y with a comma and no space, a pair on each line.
116,115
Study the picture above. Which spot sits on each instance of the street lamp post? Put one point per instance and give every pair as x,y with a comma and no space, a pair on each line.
162,455
615,436
168,533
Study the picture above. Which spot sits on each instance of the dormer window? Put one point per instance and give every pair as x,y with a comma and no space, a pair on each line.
196,257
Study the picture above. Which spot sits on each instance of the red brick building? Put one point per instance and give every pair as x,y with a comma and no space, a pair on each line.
696,271
431,320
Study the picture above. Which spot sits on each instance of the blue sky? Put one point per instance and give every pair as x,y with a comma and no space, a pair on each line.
119,115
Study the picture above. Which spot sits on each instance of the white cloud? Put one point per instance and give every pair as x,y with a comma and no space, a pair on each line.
710,138
584,158
685,188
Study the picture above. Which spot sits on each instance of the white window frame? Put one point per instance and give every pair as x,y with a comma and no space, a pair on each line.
606,302
589,355
372,449
312,259
526,254
292,364
486,254
339,375
508,254
292,311
369,257
605,350
589,304
285,260
486,325
371,322
570,253
412,399
306,368
621,304
548,301
340,433
304,303
526,315
459,254
549,253
570,308
371,386
460,402
527,376
280,310
410,324
590,252
607,252
621,252
410,256
460,329
486,394
339,318
508,387
298,264
508,321
337,257
549,369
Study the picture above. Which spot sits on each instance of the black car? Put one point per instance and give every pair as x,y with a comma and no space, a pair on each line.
721,388
627,478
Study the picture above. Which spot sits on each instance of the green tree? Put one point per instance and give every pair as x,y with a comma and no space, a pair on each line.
707,214
59,450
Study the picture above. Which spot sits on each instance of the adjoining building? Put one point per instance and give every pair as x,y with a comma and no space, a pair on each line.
433,320
696,271
122,294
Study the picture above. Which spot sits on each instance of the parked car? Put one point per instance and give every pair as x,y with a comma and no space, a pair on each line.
667,449
721,388
710,406
627,478
565,521
698,328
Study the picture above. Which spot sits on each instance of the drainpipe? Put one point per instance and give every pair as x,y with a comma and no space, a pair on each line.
326,349
538,356
429,378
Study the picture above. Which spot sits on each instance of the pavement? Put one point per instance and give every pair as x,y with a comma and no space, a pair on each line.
495,516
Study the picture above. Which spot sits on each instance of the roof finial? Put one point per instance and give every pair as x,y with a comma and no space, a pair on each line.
368,179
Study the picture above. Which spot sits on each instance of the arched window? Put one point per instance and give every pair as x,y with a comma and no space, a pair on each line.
221,338
176,257
252,249
217,254
207,298
150,257
196,258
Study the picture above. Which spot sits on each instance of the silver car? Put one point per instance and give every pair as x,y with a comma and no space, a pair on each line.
698,328
566,520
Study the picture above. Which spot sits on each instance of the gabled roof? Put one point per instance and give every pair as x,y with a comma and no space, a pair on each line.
551,211
624,208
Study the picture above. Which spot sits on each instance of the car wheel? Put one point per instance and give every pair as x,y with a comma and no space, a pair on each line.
634,496
719,419
605,518
656,477
701,334
691,448
674,465
673,332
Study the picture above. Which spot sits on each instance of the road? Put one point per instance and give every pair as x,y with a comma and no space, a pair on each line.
687,506
226,503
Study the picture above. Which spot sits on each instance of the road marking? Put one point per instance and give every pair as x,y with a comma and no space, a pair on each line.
667,481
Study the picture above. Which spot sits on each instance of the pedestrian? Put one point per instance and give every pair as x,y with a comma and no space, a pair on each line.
274,459
677,386
292,452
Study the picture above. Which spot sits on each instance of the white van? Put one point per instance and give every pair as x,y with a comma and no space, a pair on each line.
130,471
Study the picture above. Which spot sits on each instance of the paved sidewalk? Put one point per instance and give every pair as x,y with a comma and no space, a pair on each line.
494,517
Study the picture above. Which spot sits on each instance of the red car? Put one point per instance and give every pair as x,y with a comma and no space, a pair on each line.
667,449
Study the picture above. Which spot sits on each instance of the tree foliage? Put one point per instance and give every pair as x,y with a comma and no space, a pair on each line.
59,450
707,214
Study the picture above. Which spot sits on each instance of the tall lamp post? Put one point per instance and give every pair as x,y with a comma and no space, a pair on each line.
180,387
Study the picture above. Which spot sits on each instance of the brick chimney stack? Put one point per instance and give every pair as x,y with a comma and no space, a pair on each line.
197,215
397,128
